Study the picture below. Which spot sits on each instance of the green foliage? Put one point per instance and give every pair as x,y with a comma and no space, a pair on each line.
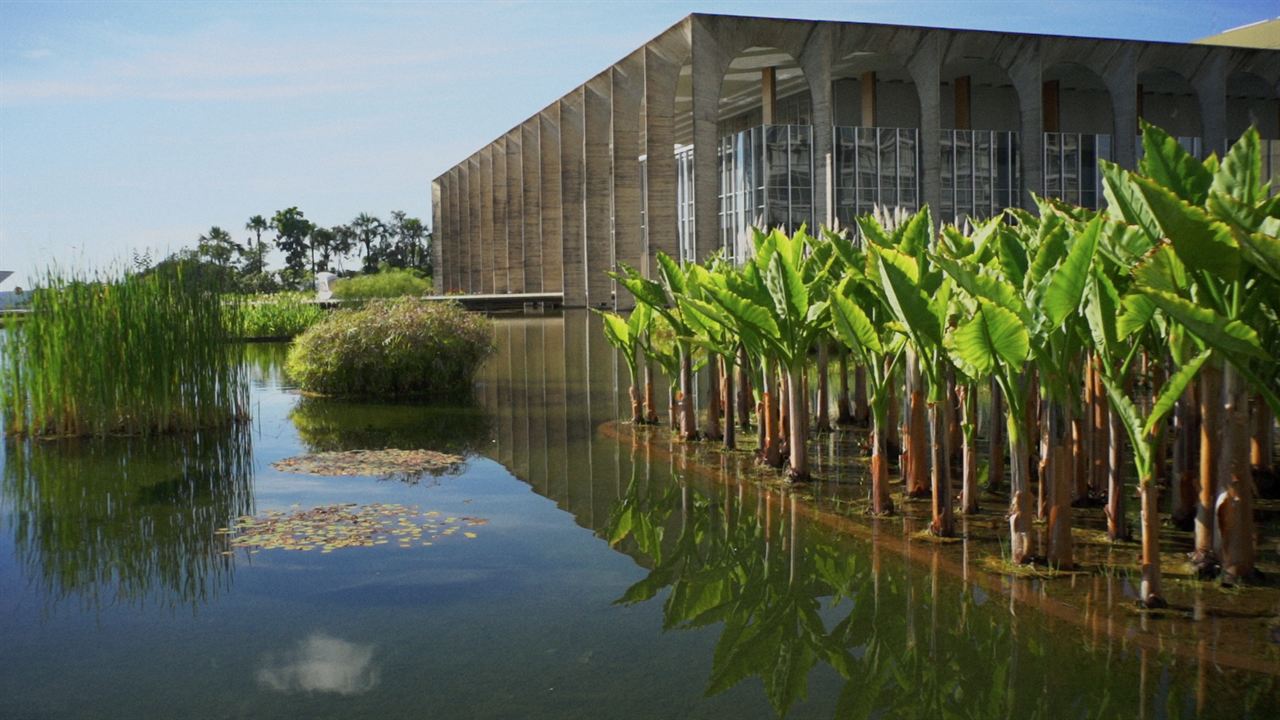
280,315
136,355
389,283
393,349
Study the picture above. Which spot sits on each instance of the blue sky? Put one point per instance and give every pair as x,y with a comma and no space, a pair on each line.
133,126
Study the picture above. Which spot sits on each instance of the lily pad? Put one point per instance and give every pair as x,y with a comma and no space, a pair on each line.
407,465
336,527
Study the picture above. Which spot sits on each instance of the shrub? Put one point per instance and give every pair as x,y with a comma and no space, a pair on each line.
136,355
393,349
282,315
385,284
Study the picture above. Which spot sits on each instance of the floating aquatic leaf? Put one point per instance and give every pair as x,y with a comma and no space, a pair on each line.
333,527
406,465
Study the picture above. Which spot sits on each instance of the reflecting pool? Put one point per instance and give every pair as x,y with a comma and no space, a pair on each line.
604,572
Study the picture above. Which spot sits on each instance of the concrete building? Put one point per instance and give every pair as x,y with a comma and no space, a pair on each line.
722,122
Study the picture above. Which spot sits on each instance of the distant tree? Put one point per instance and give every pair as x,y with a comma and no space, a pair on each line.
217,247
323,240
292,233
344,241
255,258
406,249
369,231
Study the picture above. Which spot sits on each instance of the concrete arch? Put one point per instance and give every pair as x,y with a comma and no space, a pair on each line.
1166,98
874,89
1077,100
1251,100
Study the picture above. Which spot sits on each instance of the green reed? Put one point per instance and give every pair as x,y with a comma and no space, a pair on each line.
141,354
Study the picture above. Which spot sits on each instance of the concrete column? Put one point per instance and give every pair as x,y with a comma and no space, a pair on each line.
515,213
437,233
706,136
627,95
474,250
598,201
552,207
453,248
572,194
1121,79
531,169
925,67
817,60
464,226
660,77
500,216
768,94
1025,72
1210,83
868,85
486,219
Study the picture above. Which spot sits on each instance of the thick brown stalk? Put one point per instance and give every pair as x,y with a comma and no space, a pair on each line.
637,414
893,431
1151,595
688,417
1210,386
798,450
650,407
744,391
713,431
969,460
953,414
1101,431
917,431
824,391
726,392
1079,462
1088,450
943,523
1047,440
1234,502
1160,467
1260,448
1184,479
1116,526
844,415
1059,488
881,504
1020,504
761,439
995,439
784,412
769,413
860,410
673,411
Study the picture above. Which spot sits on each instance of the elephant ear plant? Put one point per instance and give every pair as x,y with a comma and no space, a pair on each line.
626,335
1220,223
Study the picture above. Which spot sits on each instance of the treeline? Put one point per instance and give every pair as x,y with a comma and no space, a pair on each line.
401,242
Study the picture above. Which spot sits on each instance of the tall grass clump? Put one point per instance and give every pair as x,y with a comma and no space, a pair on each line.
142,354
281,315
393,349
385,284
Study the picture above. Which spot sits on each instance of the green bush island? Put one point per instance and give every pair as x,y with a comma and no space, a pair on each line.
389,283
281,315
393,349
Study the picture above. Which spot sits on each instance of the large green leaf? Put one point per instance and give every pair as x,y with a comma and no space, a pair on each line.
906,300
1200,241
1012,254
991,336
1125,202
789,295
1100,313
1165,162
1066,286
1162,270
1173,389
672,276
1262,251
1240,175
1052,247
1216,331
1136,310
853,325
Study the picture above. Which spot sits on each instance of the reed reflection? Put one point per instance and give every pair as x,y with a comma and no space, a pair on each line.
128,520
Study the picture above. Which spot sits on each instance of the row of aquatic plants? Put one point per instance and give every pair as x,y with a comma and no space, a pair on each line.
1137,327
276,316
139,354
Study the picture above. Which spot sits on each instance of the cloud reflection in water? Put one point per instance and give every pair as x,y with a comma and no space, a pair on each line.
321,663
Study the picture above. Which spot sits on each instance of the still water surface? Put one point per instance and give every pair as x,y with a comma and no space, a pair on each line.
610,580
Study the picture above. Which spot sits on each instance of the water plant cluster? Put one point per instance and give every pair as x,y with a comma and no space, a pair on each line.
276,316
393,349
1130,337
139,354
388,283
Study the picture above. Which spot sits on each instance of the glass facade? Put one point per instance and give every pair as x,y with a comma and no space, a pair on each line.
875,166
684,202
766,179
1071,170
979,173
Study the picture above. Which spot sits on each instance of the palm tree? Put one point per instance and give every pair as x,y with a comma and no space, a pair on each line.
256,263
369,230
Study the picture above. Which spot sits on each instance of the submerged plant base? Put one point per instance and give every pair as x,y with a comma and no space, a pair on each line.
389,463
